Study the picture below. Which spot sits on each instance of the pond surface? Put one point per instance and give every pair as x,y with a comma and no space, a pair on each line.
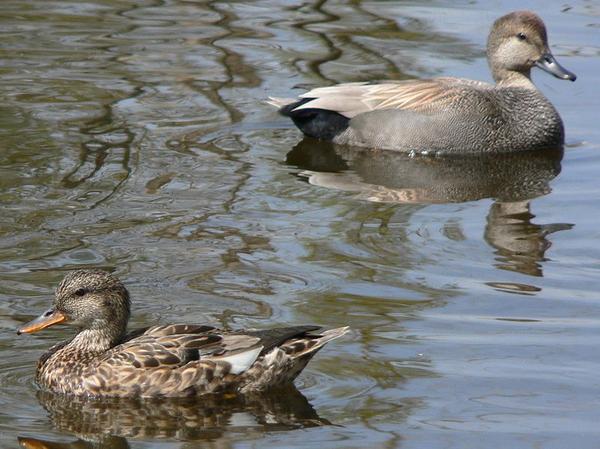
134,137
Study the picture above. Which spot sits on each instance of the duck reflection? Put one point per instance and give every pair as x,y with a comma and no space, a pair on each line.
109,423
512,180
388,176
520,244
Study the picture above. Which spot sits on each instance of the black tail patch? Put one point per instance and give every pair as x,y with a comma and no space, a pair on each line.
318,123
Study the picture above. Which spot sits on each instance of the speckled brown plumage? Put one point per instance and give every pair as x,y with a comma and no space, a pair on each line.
171,360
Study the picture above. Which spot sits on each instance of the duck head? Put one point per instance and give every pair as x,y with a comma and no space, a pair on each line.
517,42
86,299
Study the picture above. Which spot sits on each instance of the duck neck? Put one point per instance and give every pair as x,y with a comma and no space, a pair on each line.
509,78
96,340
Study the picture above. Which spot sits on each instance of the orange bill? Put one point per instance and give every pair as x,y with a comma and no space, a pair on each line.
48,318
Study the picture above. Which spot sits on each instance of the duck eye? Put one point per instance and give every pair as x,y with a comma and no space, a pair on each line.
80,292
521,36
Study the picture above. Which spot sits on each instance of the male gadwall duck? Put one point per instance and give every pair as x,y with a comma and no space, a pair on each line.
171,360
446,115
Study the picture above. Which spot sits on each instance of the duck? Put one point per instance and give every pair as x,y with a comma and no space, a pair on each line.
446,115
171,360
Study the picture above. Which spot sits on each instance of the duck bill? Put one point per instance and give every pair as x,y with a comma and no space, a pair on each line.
49,318
548,64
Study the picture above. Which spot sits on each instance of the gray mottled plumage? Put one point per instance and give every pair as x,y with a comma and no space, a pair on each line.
169,360
446,114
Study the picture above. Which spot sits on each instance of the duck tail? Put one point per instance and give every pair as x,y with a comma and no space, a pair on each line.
332,334
284,362
280,103
311,344
302,350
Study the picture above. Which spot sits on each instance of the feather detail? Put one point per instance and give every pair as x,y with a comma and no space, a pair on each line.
351,99
280,102
184,360
240,361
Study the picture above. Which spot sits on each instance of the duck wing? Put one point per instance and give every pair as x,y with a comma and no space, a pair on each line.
351,99
179,344
172,360
176,345
187,360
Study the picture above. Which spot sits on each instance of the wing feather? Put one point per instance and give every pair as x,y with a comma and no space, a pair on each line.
351,99
177,360
175,346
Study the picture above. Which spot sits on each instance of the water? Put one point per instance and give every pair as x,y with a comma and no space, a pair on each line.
134,136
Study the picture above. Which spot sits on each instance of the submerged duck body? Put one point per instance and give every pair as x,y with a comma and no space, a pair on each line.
447,115
173,360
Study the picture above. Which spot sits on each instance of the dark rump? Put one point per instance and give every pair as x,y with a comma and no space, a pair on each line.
318,123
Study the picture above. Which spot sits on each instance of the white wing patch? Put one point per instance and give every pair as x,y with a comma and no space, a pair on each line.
241,361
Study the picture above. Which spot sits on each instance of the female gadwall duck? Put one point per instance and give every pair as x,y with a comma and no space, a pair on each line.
171,360
445,115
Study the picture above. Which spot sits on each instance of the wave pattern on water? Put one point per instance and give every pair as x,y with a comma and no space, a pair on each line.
134,136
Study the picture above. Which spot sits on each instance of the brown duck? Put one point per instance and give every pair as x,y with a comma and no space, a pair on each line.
446,115
168,360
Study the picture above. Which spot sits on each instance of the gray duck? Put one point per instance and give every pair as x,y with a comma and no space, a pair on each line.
446,115
174,360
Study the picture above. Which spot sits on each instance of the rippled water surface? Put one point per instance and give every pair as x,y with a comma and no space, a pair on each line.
134,136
